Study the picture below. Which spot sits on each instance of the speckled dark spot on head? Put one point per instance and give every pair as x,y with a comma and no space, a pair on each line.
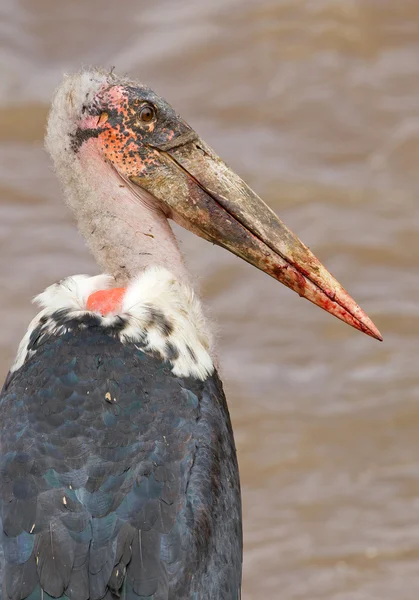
82,135
159,320
171,351
191,353
125,132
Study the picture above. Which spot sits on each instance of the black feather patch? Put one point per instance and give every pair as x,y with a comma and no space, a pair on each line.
117,478
54,552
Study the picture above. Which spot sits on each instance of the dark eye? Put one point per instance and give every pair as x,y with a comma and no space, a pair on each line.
147,113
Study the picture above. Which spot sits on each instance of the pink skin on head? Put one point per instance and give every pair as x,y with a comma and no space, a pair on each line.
125,227
117,136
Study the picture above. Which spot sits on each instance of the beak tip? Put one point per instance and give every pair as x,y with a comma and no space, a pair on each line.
376,334
368,327
358,318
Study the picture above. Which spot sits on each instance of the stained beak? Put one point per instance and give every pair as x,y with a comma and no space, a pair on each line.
201,193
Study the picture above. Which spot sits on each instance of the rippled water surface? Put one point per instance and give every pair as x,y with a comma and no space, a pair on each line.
316,104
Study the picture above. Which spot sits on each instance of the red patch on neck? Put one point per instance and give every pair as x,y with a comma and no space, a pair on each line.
106,301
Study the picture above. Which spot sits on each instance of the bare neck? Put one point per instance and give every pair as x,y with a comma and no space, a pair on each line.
125,233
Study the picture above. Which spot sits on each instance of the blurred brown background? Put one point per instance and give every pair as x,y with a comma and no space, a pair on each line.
316,104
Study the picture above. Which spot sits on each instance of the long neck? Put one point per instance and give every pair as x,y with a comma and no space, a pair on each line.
125,232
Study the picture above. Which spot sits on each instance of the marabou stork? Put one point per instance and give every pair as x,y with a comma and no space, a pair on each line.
118,471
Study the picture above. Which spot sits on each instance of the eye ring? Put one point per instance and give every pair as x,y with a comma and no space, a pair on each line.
147,113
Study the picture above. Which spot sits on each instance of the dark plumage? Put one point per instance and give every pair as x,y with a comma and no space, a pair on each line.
115,475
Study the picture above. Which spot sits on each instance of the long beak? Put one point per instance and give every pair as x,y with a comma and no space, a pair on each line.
204,195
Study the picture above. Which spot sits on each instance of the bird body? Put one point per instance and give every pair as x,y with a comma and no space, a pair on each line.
120,463
118,469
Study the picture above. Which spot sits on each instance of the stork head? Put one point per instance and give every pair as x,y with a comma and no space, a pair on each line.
164,162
